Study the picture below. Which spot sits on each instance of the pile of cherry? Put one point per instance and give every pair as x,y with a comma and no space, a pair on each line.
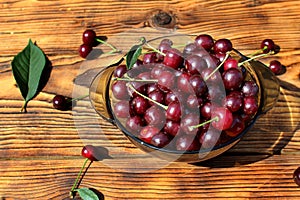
187,100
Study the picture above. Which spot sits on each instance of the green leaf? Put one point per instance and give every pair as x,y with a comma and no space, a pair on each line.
87,194
134,53
28,67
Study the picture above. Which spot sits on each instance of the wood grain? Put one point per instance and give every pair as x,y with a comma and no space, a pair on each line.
40,150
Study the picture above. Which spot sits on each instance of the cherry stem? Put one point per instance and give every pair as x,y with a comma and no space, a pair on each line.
114,49
151,47
217,68
149,99
254,57
135,80
258,51
206,122
76,185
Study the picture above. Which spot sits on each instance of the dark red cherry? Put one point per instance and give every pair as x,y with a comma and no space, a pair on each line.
237,126
250,105
195,64
173,58
230,63
222,46
135,124
276,67
147,133
88,37
122,109
171,127
268,45
174,111
84,50
250,88
88,152
296,176
61,102
187,143
224,118
119,90
155,116
120,71
140,105
209,139
232,79
160,140
188,121
205,41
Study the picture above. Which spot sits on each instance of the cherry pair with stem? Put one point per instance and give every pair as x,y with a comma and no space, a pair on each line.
90,40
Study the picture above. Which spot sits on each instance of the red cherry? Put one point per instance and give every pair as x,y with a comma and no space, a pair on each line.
88,151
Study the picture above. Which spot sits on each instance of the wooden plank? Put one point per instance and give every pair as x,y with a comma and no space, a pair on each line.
40,150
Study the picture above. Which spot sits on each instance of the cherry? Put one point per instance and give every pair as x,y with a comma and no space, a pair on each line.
140,105
121,109
88,152
170,97
160,140
296,176
157,96
174,111
155,116
250,105
189,49
209,139
84,50
267,45
222,46
237,126
205,41
119,90
223,118
250,88
173,58
230,63
195,64
187,143
183,83
232,79
166,80
198,84
194,102
149,58
206,110
187,123
147,133
61,102
171,127
234,101
276,67
88,37
134,124
120,71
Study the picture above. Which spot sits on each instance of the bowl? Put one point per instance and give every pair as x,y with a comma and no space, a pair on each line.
103,101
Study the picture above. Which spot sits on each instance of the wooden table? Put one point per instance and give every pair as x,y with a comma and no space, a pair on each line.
40,151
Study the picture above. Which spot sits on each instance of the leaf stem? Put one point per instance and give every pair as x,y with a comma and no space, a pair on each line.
149,99
78,98
24,107
75,185
217,68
